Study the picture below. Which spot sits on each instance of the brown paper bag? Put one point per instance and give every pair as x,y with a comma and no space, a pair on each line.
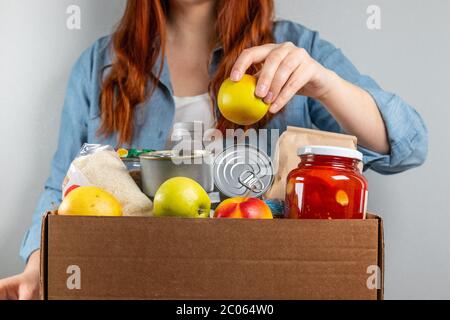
285,159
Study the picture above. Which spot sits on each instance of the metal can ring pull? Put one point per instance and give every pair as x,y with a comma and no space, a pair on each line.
251,181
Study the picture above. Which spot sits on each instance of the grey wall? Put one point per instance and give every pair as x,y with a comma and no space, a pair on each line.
36,54
409,55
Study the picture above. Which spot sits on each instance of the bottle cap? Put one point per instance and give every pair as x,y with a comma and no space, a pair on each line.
330,151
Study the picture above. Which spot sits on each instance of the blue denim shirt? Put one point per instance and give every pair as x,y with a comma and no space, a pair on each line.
81,116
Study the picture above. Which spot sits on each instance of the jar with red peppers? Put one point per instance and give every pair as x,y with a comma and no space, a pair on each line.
327,185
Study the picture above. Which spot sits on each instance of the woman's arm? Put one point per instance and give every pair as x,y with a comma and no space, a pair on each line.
357,113
289,70
72,135
391,134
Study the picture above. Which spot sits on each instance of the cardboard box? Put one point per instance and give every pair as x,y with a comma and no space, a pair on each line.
171,258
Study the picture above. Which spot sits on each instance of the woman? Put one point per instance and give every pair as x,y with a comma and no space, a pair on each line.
129,89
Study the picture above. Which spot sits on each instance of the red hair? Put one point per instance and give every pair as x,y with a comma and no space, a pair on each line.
140,39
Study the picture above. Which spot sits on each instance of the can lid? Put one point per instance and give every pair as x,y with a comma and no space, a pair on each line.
243,171
175,154
330,151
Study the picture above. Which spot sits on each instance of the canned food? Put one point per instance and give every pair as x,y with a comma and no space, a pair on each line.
159,166
243,171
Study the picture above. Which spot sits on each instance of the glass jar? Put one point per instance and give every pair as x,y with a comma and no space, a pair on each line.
327,185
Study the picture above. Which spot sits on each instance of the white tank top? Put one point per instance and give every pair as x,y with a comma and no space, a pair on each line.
190,109
197,108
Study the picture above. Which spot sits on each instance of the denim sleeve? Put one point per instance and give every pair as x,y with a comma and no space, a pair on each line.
406,130
72,135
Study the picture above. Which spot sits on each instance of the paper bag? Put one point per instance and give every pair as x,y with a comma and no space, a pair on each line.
286,159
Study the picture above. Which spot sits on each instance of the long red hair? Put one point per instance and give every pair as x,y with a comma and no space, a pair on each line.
140,39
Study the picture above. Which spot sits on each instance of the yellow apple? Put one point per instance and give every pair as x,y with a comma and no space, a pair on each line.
237,101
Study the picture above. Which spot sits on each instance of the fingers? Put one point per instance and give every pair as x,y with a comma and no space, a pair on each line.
286,70
247,58
283,72
9,288
273,62
20,287
297,81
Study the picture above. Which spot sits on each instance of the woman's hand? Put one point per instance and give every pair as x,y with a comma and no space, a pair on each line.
24,286
287,71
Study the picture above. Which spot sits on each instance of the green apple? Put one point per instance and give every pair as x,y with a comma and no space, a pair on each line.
181,197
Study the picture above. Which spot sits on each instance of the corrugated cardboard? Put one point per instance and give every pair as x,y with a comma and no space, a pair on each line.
171,258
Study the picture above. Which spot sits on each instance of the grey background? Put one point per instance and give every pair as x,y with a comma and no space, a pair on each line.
409,56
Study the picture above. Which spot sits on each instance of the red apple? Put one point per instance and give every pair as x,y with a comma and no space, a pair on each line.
243,208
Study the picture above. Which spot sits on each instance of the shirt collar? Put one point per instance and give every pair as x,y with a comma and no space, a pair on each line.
165,79
165,73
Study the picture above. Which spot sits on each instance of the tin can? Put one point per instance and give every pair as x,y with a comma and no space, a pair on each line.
159,166
130,157
243,171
